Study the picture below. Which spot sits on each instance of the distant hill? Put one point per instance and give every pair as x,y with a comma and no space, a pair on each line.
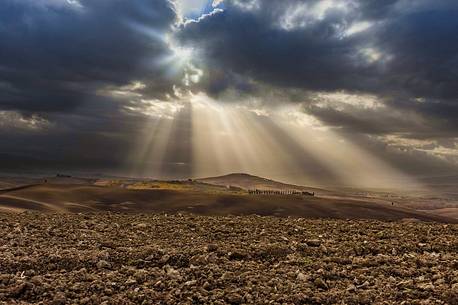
13,182
207,196
250,182
441,180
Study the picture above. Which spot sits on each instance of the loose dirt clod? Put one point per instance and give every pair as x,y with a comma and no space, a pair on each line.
112,258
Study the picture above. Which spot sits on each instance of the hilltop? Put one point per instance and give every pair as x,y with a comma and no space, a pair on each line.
250,182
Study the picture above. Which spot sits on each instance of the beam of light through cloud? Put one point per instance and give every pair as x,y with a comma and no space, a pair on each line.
149,152
283,144
229,138
210,129
351,164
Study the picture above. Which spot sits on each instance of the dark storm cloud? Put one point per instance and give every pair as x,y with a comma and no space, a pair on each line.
253,43
424,47
409,51
96,136
55,54
60,61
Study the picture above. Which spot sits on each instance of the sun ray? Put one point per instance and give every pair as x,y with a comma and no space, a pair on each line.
351,164
207,138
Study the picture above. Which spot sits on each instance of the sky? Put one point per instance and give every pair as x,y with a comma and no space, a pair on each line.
348,92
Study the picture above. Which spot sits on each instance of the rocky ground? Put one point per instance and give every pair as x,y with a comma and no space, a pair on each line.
163,259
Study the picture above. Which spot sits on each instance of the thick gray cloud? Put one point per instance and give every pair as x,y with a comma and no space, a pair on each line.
61,61
406,51
58,62
55,55
402,53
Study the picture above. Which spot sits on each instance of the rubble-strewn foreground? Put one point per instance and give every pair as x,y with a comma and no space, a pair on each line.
160,259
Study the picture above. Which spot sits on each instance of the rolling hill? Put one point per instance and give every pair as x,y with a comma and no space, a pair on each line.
250,182
61,198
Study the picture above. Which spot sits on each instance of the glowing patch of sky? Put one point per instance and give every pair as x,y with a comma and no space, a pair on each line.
193,9
358,27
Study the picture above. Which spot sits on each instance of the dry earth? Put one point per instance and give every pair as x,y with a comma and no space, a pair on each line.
110,258
201,199
222,196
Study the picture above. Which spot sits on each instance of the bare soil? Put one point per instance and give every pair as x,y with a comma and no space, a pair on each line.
112,258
